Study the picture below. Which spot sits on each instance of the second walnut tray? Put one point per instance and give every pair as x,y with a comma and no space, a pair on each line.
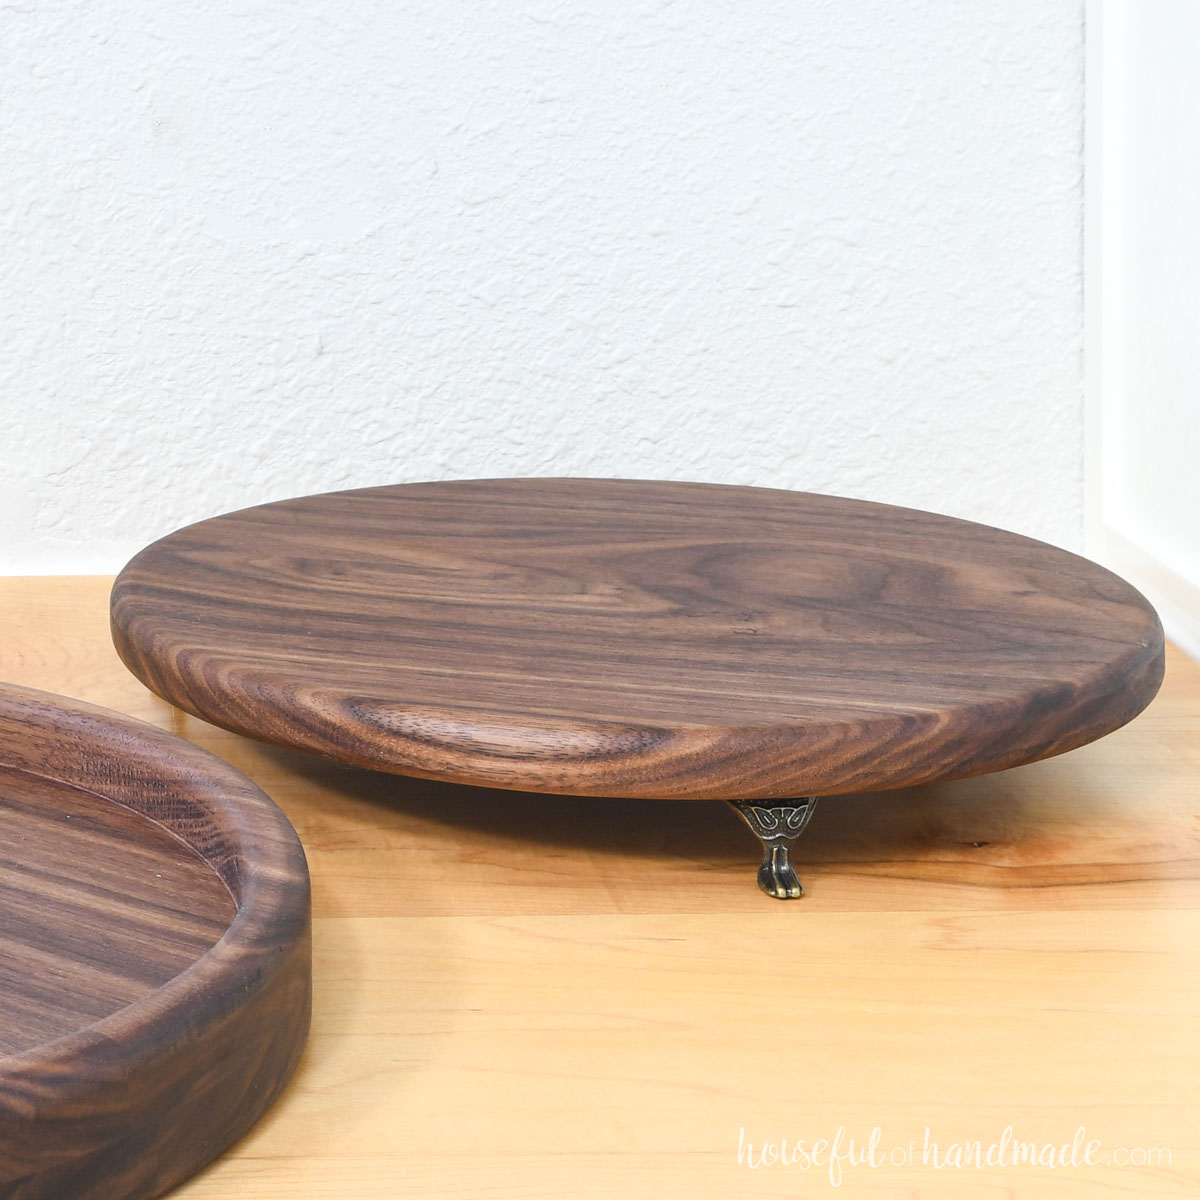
155,972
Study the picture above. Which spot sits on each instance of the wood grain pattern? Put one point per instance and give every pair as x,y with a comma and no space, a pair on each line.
635,639
522,996
98,908
155,968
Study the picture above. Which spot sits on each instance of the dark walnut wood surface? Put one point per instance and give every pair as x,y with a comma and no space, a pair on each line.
98,908
155,970
636,639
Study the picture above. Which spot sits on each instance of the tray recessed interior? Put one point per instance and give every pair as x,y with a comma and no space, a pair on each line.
99,906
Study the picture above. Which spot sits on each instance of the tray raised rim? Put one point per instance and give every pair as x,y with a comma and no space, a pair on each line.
65,1102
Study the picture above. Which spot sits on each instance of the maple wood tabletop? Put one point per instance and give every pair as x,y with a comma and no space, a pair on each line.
520,995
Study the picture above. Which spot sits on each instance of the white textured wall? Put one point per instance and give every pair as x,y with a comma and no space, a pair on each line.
1156,434
1144,301
256,249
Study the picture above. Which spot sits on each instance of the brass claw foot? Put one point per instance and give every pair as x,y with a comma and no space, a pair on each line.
777,826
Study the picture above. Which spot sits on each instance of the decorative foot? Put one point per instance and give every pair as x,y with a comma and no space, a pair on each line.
777,826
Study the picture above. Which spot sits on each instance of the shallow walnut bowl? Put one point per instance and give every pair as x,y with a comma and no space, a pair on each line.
155,970
622,638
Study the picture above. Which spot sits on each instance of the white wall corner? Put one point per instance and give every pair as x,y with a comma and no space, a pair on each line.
1135,312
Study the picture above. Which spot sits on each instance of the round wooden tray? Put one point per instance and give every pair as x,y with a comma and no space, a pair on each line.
155,968
638,639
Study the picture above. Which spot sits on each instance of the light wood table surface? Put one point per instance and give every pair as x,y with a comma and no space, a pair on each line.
522,996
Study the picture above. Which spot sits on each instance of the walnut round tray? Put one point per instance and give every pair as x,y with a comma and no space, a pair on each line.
155,970
639,639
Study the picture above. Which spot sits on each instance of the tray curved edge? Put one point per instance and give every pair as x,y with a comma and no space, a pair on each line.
877,752
136,1102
